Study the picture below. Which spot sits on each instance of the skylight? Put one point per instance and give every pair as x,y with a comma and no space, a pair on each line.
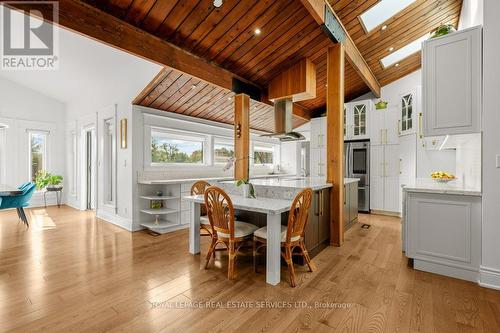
383,11
404,52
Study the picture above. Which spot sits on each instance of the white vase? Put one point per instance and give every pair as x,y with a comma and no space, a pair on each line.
246,190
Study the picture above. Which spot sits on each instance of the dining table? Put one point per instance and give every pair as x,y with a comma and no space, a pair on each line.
9,191
273,208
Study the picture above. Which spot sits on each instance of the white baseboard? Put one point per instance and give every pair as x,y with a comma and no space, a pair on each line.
489,277
37,201
117,220
385,212
439,268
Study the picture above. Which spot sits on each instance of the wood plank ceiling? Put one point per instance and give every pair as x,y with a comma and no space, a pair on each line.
178,92
226,36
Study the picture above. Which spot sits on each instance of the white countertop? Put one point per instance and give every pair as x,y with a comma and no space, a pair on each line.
259,205
214,179
431,186
315,183
351,180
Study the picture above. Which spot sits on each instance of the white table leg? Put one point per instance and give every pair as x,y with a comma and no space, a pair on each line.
194,229
273,266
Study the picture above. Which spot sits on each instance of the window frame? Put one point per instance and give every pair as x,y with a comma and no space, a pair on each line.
45,153
222,141
264,145
177,135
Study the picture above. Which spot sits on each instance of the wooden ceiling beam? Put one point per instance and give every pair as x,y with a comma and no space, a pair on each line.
317,9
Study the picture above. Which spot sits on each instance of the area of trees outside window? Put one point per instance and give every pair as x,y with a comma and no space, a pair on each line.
37,153
176,150
223,152
263,155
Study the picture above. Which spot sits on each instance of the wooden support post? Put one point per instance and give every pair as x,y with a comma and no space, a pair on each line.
335,140
241,136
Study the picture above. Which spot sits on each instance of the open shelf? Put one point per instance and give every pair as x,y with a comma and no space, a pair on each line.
155,197
159,211
162,227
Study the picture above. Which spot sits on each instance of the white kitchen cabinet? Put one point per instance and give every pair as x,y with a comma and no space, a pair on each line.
443,233
384,178
357,120
407,160
384,126
408,111
318,162
318,132
451,83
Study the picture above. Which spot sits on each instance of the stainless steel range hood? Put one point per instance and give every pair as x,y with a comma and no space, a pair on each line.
283,130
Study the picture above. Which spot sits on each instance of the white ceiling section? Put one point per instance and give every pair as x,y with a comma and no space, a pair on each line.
89,72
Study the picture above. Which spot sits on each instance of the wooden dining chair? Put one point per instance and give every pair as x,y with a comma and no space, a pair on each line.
198,188
233,234
292,235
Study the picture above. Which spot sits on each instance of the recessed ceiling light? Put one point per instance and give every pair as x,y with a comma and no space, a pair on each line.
404,52
326,85
391,49
383,27
229,98
193,86
217,3
396,65
381,12
257,31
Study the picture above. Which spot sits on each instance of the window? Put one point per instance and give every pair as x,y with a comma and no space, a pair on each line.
360,119
173,148
109,152
223,150
406,112
263,154
404,52
381,12
38,152
73,161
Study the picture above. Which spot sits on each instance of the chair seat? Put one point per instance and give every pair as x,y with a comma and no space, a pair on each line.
262,233
204,220
241,229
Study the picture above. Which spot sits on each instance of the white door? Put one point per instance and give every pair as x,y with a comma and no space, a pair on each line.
407,112
377,177
451,83
360,120
318,158
392,188
377,125
318,133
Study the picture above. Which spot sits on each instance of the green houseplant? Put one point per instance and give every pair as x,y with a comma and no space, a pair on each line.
442,30
248,189
381,105
44,179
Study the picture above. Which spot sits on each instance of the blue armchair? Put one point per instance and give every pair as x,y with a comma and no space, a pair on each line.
19,201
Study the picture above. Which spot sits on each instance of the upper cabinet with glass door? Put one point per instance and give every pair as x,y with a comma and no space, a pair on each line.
407,112
357,120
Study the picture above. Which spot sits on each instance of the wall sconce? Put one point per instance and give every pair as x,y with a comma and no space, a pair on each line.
238,131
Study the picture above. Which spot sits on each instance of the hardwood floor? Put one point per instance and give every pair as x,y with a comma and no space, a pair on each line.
71,272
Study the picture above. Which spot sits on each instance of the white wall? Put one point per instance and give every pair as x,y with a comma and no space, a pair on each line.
490,267
22,109
471,14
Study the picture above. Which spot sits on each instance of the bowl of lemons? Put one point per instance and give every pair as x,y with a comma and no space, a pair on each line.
443,177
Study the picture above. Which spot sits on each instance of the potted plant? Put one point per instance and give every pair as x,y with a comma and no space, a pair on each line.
381,105
443,30
248,189
44,179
